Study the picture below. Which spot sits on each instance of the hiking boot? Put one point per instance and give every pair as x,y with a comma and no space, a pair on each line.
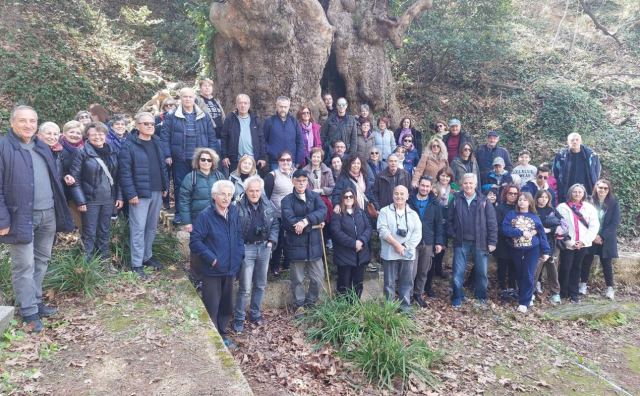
522,308
153,263
33,323
419,301
140,272
582,288
45,311
555,299
610,294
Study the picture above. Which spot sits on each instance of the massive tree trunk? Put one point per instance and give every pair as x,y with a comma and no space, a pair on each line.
268,48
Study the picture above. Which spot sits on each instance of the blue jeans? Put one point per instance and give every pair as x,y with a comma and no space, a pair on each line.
181,168
253,278
402,272
460,254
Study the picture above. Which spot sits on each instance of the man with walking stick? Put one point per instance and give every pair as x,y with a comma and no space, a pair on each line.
301,211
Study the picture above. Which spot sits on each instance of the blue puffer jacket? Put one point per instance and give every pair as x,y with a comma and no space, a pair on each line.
308,245
16,190
134,168
195,195
216,238
174,139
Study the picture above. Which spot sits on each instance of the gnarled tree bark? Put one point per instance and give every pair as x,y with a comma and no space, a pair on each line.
268,48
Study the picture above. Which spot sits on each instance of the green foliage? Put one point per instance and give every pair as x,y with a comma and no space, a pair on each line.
375,337
166,246
71,271
568,108
6,287
198,13
46,83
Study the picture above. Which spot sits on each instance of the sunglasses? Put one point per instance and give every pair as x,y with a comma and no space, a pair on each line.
374,153
206,160
347,197
285,160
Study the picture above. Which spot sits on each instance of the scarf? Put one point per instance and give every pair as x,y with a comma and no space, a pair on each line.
307,131
576,220
103,151
71,146
361,187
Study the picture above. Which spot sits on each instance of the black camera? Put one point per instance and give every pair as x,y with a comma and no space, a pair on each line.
259,230
401,233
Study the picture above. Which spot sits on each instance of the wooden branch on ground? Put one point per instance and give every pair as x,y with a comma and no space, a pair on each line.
597,24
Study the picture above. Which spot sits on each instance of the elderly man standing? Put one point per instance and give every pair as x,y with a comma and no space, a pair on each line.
218,246
301,211
184,130
340,126
144,181
575,164
400,233
473,226
388,179
282,133
260,227
242,135
32,208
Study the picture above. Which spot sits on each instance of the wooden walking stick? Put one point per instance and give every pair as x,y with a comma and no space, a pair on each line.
324,258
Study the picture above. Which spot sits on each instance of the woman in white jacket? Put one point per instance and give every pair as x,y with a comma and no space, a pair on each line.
583,225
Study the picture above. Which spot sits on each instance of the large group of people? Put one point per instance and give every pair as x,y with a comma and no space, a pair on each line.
277,194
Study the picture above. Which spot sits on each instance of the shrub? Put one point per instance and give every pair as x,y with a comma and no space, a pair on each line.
6,288
375,337
166,247
71,271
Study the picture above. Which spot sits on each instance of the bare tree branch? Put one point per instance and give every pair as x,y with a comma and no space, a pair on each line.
398,28
597,24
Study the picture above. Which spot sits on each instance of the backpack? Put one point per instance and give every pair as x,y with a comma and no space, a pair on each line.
219,175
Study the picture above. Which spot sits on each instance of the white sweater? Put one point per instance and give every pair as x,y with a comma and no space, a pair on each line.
587,235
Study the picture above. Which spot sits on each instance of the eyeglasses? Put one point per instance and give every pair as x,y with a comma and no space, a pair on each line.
543,177
347,197
285,160
147,124
206,160
305,112
170,105
84,117
374,153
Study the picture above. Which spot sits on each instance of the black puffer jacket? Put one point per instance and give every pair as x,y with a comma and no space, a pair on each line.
308,245
503,250
89,174
134,168
269,218
346,229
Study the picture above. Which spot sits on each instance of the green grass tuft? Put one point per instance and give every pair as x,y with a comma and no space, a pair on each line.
71,271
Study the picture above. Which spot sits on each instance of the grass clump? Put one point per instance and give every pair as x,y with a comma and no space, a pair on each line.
71,271
6,287
379,340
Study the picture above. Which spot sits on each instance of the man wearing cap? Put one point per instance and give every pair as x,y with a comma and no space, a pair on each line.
301,211
486,153
498,177
456,138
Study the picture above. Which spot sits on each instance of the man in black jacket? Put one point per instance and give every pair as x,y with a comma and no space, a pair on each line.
242,134
433,238
32,208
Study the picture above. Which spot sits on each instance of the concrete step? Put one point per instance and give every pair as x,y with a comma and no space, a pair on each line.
6,315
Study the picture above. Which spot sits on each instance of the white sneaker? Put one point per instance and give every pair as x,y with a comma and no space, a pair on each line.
582,288
555,299
531,302
533,297
522,308
538,287
610,294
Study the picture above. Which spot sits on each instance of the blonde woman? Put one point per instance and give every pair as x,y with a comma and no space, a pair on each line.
246,168
434,158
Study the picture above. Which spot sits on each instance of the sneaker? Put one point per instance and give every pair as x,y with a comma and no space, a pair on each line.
582,288
45,311
538,287
140,272
533,297
299,312
522,308
33,323
575,300
531,303
329,244
153,263
610,294
229,344
456,305
555,299
238,327
372,267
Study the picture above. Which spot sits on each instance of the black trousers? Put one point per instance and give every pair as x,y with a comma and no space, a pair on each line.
606,263
279,257
350,278
569,271
217,294
506,273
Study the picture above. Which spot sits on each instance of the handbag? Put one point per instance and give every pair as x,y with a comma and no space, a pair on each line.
372,211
